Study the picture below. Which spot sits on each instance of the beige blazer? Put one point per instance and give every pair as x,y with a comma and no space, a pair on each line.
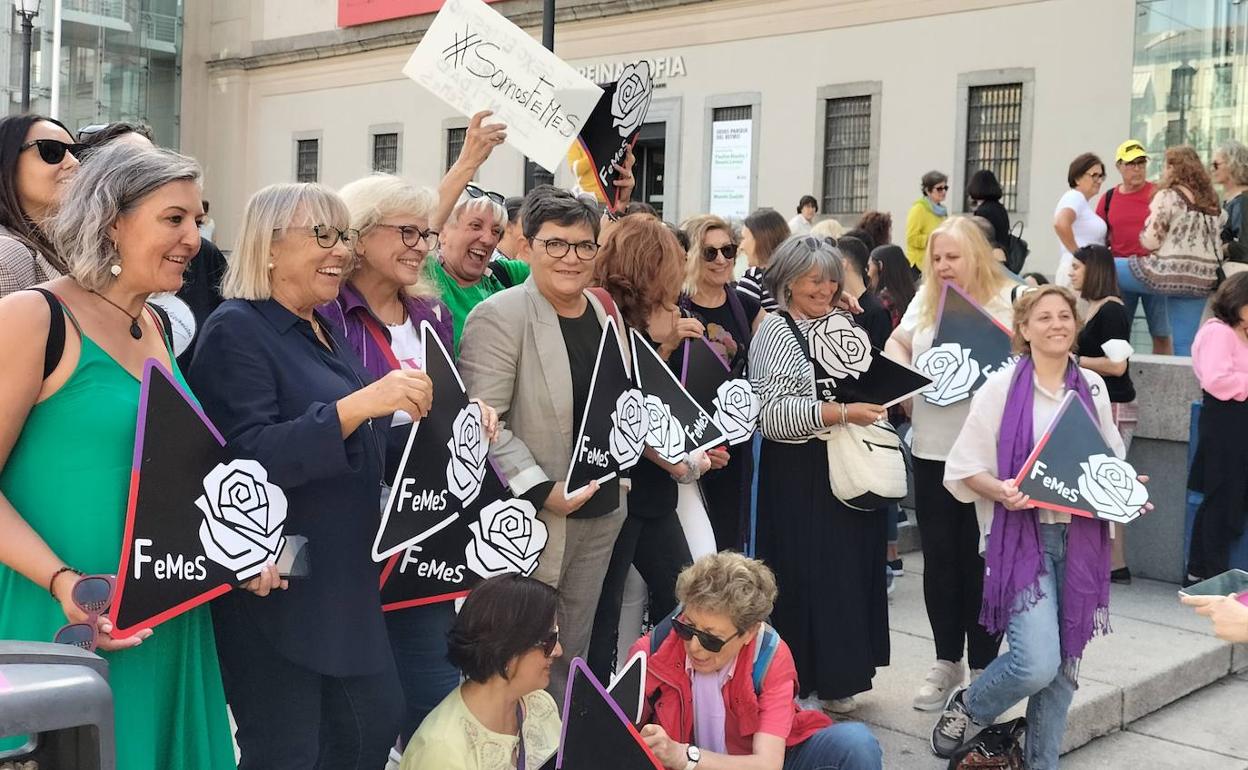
513,357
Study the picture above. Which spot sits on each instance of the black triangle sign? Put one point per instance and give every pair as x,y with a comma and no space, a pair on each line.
1073,470
732,402
597,734
628,687
969,345
676,424
198,522
612,127
613,428
851,370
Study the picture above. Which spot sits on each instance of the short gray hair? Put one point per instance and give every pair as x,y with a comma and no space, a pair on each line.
796,257
117,179
1236,155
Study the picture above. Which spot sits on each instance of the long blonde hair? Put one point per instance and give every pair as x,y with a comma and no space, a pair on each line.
986,278
697,228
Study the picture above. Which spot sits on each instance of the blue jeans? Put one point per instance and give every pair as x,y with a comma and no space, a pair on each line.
418,640
1155,306
842,746
1031,667
1183,313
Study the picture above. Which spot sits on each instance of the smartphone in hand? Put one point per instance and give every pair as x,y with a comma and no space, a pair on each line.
293,561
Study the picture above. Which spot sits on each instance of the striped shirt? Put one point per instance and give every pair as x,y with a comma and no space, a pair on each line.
784,380
751,285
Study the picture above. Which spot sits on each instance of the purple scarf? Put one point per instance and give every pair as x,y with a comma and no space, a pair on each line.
1015,555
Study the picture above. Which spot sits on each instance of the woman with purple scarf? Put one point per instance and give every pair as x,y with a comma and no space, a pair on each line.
1046,581
379,311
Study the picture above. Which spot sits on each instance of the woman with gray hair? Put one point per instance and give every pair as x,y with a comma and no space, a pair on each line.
284,389
1230,172
74,363
829,559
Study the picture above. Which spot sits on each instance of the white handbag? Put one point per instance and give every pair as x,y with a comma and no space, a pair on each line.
866,465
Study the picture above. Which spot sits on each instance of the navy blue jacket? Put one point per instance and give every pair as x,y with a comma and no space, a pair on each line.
270,387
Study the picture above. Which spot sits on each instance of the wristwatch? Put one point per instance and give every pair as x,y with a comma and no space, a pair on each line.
694,755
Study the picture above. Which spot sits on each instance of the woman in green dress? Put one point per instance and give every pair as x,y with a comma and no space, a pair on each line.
127,230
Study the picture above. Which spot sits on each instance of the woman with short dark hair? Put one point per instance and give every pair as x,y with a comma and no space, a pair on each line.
1075,220
761,233
879,226
504,641
985,192
1220,358
801,223
37,157
925,215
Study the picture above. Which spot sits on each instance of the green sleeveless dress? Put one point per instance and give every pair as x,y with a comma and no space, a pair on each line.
69,477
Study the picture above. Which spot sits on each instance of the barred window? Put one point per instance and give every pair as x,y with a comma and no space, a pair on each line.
386,153
732,113
454,143
307,160
994,130
846,155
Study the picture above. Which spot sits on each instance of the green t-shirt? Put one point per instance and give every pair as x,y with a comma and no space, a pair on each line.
462,299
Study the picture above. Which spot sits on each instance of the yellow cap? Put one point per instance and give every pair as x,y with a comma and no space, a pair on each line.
1129,151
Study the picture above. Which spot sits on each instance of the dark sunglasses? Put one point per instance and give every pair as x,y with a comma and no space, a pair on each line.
476,192
709,642
52,151
548,643
941,188
815,244
709,253
93,594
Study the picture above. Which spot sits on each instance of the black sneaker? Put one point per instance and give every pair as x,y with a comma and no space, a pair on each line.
955,726
896,566
1122,576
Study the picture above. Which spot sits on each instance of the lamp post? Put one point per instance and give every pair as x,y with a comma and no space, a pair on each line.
28,10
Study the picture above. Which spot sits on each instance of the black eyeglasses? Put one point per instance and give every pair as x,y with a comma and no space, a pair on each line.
710,642
710,253
548,643
52,151
413,237
328,235
558,248
476,192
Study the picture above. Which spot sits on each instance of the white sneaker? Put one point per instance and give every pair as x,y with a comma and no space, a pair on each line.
840,705
943,678
810,702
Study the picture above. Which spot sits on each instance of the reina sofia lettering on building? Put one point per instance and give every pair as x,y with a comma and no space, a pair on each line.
663,68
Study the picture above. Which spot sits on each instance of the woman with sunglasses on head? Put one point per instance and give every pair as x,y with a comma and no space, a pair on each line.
285,389
1075,220
720,682
730,319
38,158
925,216
71,388
505,640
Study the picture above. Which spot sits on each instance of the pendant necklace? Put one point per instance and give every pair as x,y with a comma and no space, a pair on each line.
136,331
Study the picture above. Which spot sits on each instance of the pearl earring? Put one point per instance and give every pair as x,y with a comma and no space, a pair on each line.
115,269
270,265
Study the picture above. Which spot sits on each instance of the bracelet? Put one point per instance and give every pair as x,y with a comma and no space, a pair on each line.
55,575
844,415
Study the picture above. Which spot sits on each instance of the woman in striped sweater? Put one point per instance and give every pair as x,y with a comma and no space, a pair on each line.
829,559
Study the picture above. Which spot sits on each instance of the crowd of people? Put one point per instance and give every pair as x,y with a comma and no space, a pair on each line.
302,347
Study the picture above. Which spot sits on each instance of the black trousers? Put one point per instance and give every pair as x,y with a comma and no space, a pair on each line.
727,495
953,570
657,547
292,718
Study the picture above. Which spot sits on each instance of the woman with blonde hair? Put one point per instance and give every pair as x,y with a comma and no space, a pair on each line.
957,254
730,319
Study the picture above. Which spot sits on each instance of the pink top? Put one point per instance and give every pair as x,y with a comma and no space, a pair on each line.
1220,358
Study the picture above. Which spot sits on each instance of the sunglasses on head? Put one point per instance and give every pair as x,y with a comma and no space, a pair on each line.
709,253
710,642
548,643
814,244
476,192
93,594
52,151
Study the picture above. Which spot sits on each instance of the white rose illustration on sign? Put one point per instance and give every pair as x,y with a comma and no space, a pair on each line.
243,517
1113,489
953,371
466,467
506,537
840,346
736,410
628,428
631,99
663,431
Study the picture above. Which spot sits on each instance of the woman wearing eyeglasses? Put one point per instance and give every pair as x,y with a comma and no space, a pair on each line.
925,215
1075,220
284,389
37,158
505,640
720,682
730,319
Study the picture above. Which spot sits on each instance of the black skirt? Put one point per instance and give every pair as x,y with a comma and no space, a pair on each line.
829,562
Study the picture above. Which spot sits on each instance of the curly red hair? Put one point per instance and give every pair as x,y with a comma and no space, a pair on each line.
641,265
1185,169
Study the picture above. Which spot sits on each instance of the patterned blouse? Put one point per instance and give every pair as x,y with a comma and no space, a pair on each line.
21,266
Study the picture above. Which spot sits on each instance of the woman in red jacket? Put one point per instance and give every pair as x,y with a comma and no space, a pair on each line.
721,684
